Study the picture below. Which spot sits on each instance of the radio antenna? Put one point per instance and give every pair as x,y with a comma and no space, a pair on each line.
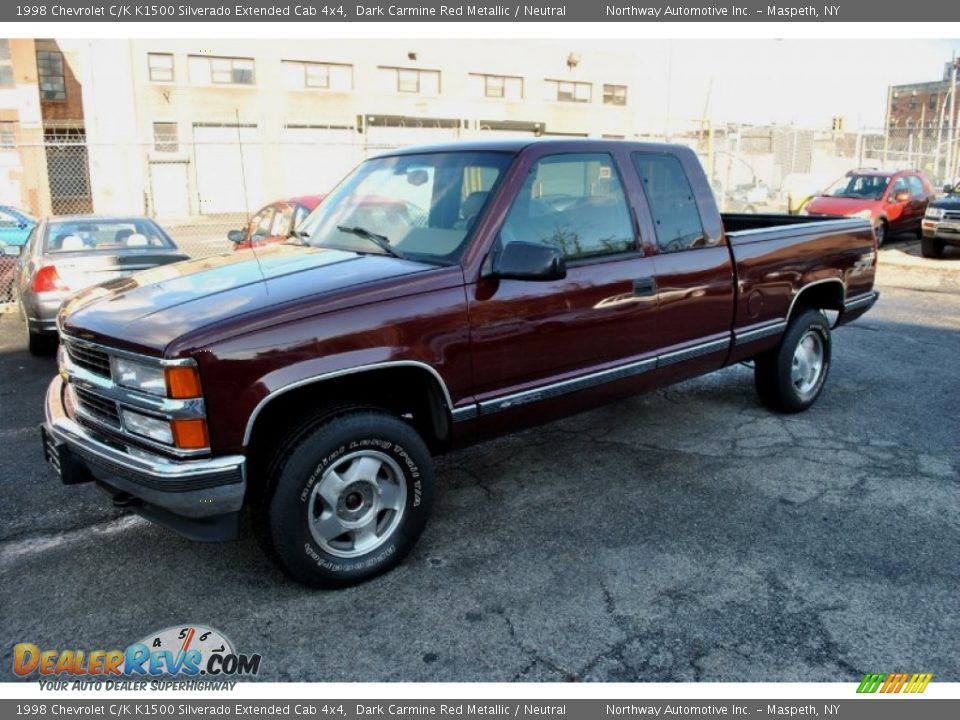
246,202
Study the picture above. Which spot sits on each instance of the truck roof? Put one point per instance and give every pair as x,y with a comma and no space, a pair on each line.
515,145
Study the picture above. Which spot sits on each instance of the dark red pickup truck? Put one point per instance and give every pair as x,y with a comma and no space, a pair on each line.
313,381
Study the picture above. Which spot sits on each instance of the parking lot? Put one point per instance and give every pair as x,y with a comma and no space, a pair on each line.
684,534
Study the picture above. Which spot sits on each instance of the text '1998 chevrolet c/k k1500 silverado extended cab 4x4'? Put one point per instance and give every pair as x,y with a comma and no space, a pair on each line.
438,296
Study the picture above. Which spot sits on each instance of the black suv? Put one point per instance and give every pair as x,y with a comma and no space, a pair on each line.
941,223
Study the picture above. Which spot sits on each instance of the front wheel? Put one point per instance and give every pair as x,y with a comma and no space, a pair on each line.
931,247
351,500
881,232
790,377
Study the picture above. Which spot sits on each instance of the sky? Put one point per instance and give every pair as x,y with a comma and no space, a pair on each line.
804,82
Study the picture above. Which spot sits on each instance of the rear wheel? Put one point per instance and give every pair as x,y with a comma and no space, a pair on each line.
790,377
351,499
931,247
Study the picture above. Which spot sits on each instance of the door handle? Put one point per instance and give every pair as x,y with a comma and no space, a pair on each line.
644,287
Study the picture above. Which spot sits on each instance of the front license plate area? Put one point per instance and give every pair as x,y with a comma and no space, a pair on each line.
58,456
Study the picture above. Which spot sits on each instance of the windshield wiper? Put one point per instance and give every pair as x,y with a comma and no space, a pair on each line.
380,241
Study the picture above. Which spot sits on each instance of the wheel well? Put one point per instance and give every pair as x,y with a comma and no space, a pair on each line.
821,296
409,392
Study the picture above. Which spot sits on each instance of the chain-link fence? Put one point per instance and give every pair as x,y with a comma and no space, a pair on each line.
217,181
778,169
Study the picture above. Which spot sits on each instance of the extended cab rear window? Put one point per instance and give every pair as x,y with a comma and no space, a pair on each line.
676,217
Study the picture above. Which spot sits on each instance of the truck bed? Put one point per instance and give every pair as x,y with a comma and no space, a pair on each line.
743,228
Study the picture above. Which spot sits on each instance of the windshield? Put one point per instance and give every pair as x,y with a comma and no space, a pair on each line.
104,236
864,187
422,206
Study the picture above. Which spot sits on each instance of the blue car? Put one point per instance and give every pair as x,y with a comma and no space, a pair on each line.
15,226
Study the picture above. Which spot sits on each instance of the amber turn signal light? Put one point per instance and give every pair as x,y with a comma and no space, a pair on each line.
190,434
183,383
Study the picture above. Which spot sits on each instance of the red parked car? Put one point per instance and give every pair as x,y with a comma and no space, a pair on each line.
894,201
274,222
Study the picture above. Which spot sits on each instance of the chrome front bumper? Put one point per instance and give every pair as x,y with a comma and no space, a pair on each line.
946,230
192,497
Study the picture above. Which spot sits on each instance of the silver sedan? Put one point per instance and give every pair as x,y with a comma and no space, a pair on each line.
69,253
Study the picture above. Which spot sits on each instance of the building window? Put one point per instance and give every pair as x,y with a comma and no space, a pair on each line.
8,140
565,91
6,65
50,72
221,70
894,107
497,86
165,137
934,99
913,103
314,75
614,94
161,67
410,81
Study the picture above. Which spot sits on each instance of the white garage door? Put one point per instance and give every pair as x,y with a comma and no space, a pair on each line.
229,163
316,159
168,181
392,137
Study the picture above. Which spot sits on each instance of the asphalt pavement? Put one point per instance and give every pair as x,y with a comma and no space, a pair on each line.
684,534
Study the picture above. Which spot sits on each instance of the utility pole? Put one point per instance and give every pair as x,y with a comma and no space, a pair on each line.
951,149
923,118
936,152
954,153
886,125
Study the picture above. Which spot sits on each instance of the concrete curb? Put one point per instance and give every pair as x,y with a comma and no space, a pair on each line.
908,255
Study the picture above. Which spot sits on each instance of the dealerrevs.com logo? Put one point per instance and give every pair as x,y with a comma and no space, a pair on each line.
894,682
189,651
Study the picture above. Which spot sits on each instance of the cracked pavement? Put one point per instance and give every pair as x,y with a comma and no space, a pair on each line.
681,535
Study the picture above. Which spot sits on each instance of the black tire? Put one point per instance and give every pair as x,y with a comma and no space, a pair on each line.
330,461
776,372
931,247
881,230
41,345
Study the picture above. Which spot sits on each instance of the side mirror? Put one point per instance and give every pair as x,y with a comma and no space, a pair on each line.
520,260
12,250
949,189
902,196
235,236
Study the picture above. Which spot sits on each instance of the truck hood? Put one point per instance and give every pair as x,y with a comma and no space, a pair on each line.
824,205
950,202
149,310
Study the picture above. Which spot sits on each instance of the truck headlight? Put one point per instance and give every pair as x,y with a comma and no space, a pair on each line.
138,376
934,213
864,214
150,427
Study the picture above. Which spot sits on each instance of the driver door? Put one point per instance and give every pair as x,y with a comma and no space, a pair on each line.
898,212
537,346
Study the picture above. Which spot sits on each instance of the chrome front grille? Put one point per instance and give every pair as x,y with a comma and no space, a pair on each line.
952,216
98,407
87,357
